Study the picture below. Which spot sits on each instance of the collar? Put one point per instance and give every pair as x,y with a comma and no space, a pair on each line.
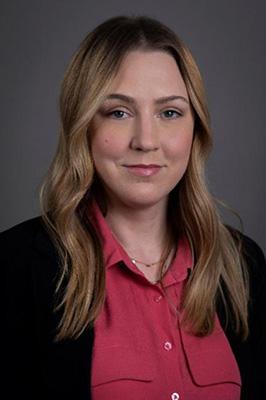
114,253
181,264
111,252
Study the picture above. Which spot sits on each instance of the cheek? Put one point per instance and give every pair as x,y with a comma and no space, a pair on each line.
107,145
179,148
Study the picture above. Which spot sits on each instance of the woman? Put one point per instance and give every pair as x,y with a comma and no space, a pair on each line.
129,285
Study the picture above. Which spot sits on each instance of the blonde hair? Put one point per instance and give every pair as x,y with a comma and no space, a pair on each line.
71,181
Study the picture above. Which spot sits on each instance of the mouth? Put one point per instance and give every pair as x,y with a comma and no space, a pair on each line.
143,169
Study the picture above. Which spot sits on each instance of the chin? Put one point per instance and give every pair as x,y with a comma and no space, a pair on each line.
142,200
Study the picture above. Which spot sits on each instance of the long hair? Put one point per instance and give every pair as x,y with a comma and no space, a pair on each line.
71,182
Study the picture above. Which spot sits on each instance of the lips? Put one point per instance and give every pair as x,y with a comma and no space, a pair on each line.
143,169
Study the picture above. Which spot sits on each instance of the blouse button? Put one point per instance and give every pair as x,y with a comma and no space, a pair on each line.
174,396
168,346
157,299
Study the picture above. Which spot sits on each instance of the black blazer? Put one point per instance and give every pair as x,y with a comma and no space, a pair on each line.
37,368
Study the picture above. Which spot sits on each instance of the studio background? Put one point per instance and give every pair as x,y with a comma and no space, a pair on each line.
227,40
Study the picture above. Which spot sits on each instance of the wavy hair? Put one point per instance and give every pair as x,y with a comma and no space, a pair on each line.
71,181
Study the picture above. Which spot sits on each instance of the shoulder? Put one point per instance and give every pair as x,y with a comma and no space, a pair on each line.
28,257
30,266
252,254
25,229
251,251
29,236
256,264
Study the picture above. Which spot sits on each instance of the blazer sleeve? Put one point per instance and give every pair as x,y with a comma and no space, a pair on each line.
27,310
251,353
35,366
255,259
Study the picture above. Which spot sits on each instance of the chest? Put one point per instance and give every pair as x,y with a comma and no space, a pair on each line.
140,345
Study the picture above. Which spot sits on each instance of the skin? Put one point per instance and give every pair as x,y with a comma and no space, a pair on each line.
142,131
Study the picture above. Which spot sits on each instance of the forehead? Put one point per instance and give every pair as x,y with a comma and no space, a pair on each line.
149,72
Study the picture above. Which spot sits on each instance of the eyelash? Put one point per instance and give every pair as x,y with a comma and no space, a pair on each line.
112,113
176,113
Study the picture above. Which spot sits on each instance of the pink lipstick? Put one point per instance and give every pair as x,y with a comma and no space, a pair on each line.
143,169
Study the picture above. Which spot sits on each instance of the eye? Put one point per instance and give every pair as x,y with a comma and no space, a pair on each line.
118,114
171,114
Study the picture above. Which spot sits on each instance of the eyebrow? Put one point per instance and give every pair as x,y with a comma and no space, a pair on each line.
131,100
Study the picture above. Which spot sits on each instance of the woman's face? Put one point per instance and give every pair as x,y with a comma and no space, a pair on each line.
141,135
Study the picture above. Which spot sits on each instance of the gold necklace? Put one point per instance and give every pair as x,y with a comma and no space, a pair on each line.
134,261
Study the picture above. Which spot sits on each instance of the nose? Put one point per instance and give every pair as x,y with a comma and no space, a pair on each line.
145,135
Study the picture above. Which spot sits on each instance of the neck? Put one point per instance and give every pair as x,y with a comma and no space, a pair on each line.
141,231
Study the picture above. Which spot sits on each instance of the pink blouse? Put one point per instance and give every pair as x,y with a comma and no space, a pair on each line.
140,350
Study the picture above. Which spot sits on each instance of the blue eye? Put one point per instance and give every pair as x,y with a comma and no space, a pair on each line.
171,114
118,114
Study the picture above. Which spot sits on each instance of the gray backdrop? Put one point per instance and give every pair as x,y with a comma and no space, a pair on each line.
227,39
